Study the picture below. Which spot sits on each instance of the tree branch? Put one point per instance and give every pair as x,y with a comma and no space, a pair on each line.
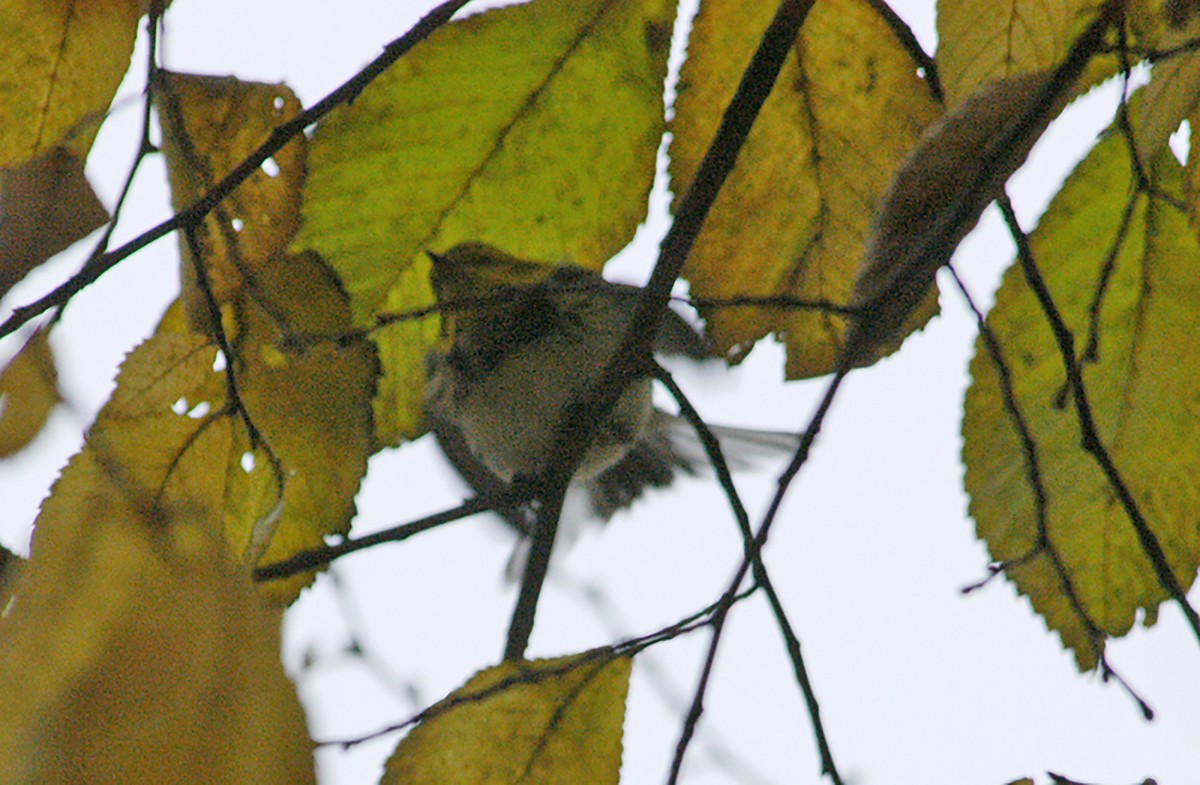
791,641
319,557
575,432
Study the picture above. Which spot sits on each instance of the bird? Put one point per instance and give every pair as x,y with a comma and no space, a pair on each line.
525,340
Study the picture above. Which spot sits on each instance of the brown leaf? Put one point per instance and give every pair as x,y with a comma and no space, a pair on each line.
47,204
958,168
210,124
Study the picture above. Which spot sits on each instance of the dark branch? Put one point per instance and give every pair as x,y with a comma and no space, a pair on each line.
575,431
319,557
791,641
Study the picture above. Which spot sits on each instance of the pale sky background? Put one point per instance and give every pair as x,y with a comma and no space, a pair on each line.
917,683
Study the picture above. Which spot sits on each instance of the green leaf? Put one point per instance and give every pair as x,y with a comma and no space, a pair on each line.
541,722
532,127
1142,379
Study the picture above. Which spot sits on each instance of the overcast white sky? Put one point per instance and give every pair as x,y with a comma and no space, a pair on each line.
918,684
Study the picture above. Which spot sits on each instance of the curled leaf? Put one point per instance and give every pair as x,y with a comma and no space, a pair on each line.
959,167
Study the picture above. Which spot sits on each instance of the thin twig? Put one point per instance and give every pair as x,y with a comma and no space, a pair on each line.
781,301
714,746
726,602
904,35
319,557
761,577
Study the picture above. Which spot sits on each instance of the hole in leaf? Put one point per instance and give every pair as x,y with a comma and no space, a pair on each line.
1181,141
248,462
238,224
181,406
219,362
199,410
278,103
271,167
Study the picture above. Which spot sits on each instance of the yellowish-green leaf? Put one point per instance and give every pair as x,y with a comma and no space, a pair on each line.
793,217
28,392
47,205
542,722
1142,373
312,405
980,41
136,652
209,125
532,127
1191,173
310,402
169,434
60,66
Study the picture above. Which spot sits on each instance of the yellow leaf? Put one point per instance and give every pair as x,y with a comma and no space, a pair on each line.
47,205
60,66
959,167
532,127
28,392
210,124
1142,371
539,722
792,218
135,652
168,433
981,41
313,407
310,403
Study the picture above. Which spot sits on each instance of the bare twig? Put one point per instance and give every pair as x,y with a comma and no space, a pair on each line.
761,577
575,431
904,35
319,557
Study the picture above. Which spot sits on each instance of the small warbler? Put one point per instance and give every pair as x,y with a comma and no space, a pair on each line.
525,340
